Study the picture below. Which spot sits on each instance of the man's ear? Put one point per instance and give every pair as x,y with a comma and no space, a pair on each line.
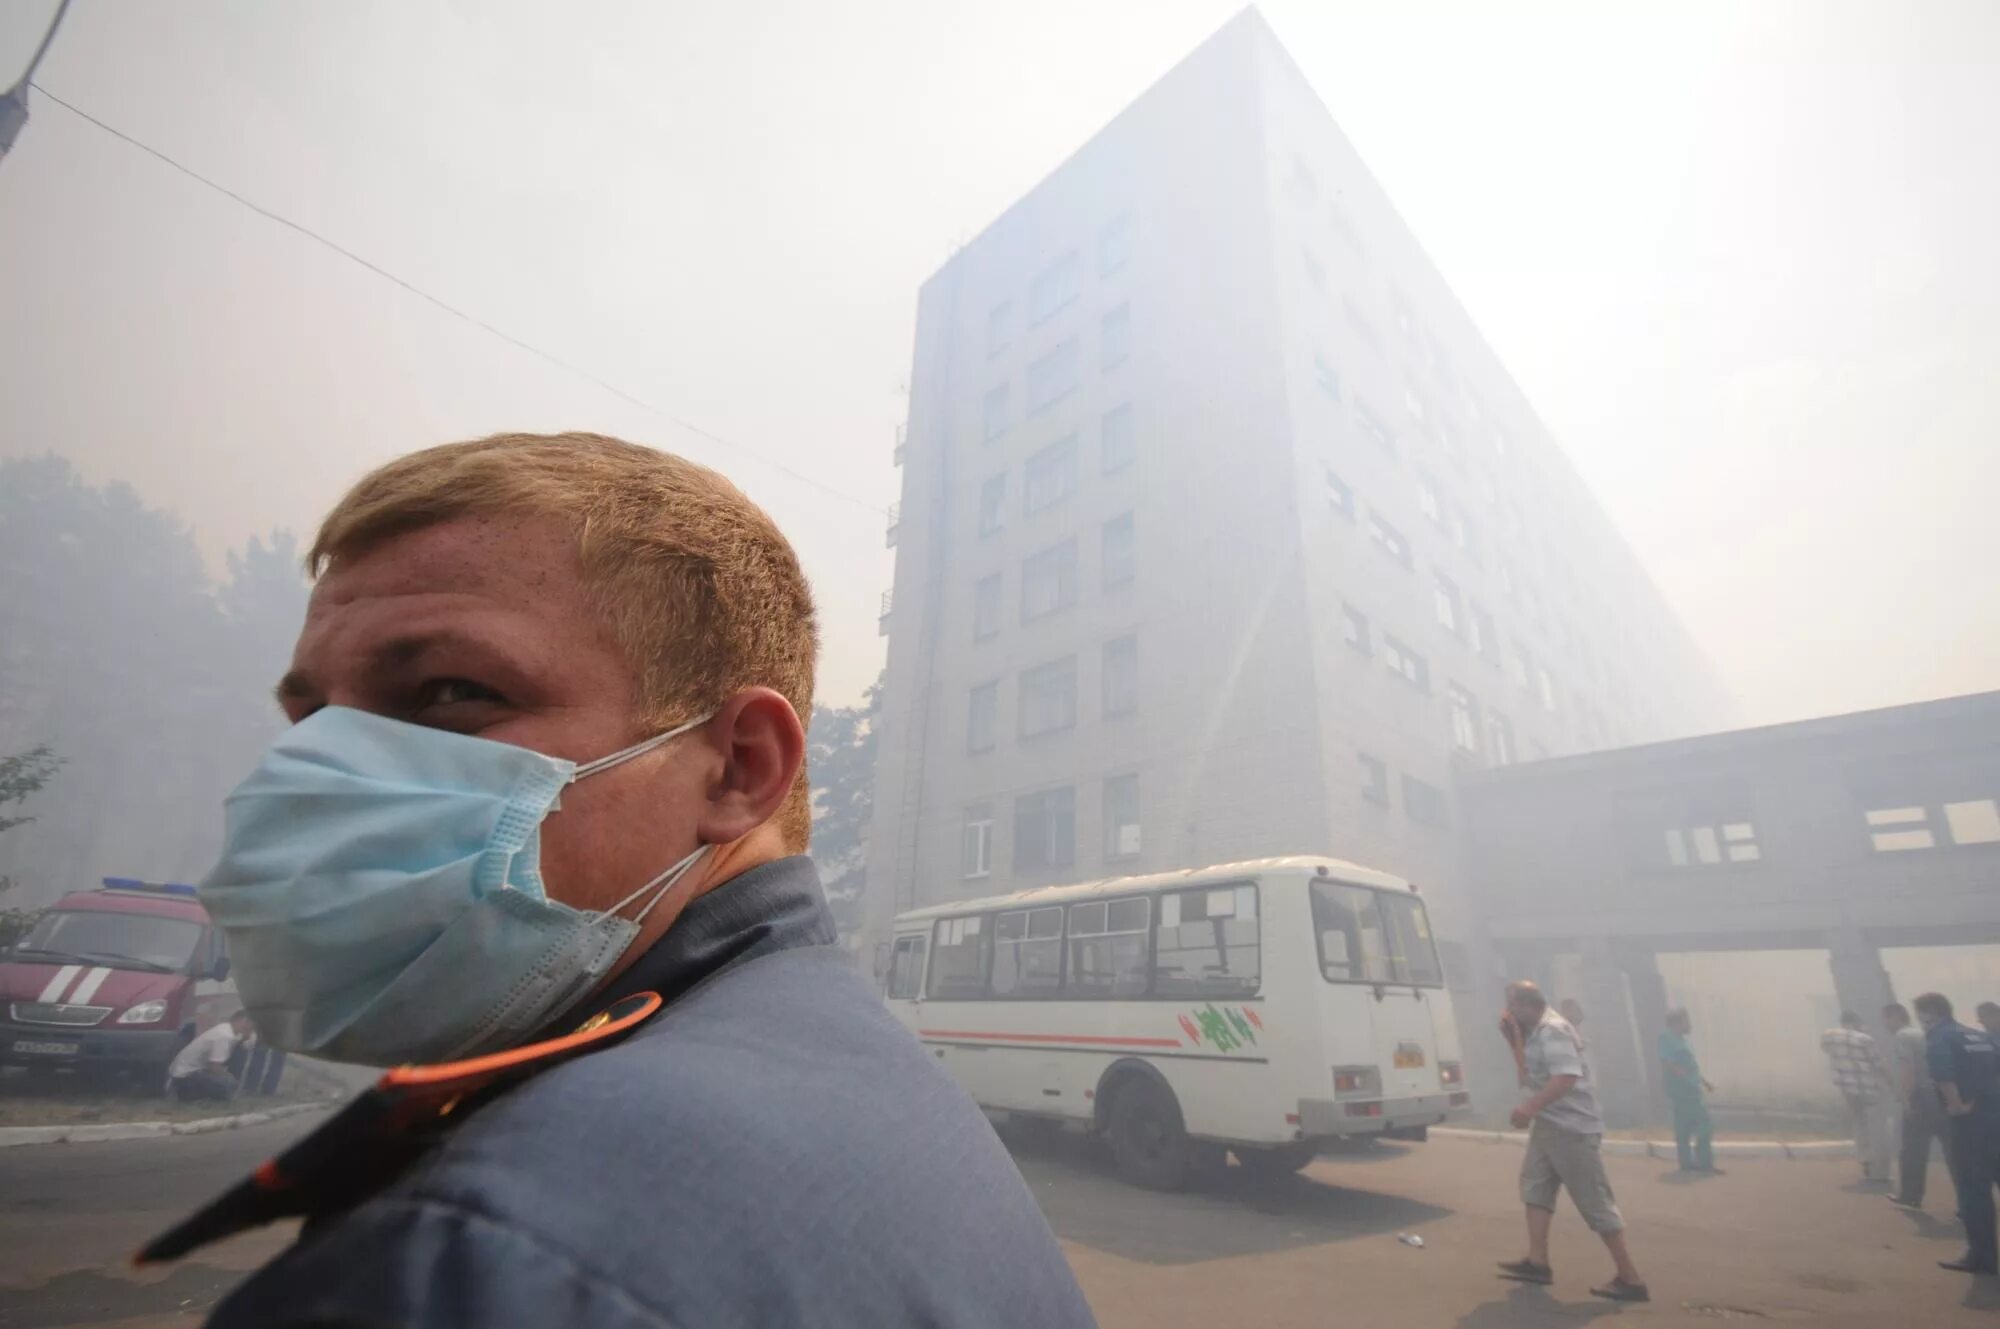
762,746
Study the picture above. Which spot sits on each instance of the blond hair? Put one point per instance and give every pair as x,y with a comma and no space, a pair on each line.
701,591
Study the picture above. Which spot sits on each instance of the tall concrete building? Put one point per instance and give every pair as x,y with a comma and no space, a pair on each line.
1224,533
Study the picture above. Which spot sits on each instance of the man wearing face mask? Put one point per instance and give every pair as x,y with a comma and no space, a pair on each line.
547,763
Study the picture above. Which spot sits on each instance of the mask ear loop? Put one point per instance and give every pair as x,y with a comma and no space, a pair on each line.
636,750
666,881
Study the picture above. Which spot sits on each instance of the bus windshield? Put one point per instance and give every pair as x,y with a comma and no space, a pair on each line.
1373,936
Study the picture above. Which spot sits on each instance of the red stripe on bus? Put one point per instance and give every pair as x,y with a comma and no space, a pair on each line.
1057,1038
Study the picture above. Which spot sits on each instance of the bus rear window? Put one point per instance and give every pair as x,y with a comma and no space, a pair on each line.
1371,936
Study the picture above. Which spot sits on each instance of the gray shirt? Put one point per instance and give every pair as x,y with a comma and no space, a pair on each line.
1912,1057
772,1148
1555,1048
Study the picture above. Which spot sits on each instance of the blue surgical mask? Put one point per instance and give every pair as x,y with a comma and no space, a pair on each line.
380,886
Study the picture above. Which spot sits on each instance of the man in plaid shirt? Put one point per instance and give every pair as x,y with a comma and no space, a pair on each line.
1863,1082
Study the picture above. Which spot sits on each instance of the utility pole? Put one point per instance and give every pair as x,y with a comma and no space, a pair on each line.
14,102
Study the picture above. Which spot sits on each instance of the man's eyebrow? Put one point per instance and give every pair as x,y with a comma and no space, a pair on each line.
410,647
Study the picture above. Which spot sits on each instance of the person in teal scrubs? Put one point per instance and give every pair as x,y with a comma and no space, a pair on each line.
1694,1133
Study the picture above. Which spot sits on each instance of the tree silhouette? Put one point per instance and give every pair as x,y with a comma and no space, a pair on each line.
840,754
118,651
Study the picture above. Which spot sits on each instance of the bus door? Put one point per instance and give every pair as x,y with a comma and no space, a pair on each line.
1382,938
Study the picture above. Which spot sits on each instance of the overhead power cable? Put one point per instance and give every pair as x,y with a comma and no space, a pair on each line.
538,352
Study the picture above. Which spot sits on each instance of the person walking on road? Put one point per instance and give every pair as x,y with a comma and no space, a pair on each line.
1923,1117
1565,1135
201,1069
1858,1075
1966,1070
1694,1132
1988,1015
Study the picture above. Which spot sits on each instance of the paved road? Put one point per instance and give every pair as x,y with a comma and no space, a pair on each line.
1771,1242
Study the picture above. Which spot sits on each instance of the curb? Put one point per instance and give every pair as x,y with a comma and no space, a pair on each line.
1803,1149
145,1130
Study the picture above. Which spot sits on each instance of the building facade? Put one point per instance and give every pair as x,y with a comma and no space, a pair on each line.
1223,532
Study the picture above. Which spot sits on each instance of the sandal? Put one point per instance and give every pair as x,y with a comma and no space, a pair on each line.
1620,1290
1527,1271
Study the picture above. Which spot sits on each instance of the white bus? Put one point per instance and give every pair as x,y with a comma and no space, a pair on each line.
1261,1007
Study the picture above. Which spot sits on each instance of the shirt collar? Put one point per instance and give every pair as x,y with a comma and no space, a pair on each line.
774,906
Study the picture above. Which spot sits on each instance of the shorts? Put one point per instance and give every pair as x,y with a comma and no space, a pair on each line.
1560,1160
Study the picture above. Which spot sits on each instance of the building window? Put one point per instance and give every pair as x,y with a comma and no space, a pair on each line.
1425,802
1327,377
1444,599
1114,337
1048,697
959,955
1027,952
1895,829
906,970
1354,627
1303,186
1120,551
1045,830
1481,634
1114,244
1390,540
976,842
1121,816
1545,688
1055,288
1344,228
996,412
1050,476
1048,581
1406,664
1371,425
1362,327
1499,739
1707,846
1118,438
992,502
1314,272
1412,401
1109,948
1121,676
1465,534
1974,822
999,327
1339,495
1207,943
1051,377
982,718
1374,780
1519,666
1464,719
985,607
1428,502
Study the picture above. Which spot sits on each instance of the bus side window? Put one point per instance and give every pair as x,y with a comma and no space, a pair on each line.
960,953
1107,948
1208,943
906,971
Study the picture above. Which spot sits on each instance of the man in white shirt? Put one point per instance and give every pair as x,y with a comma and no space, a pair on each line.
1565,1134
201,1069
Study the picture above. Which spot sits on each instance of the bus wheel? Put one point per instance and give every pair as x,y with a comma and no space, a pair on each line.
1147,1138
1277,1161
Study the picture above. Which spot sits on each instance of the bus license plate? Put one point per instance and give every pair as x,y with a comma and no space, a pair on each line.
1409,1057
45,1049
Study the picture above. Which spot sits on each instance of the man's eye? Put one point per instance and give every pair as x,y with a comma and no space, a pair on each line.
454,691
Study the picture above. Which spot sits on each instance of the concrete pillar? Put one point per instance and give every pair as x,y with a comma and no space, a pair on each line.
1649,1014
1860,983
1617,1059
